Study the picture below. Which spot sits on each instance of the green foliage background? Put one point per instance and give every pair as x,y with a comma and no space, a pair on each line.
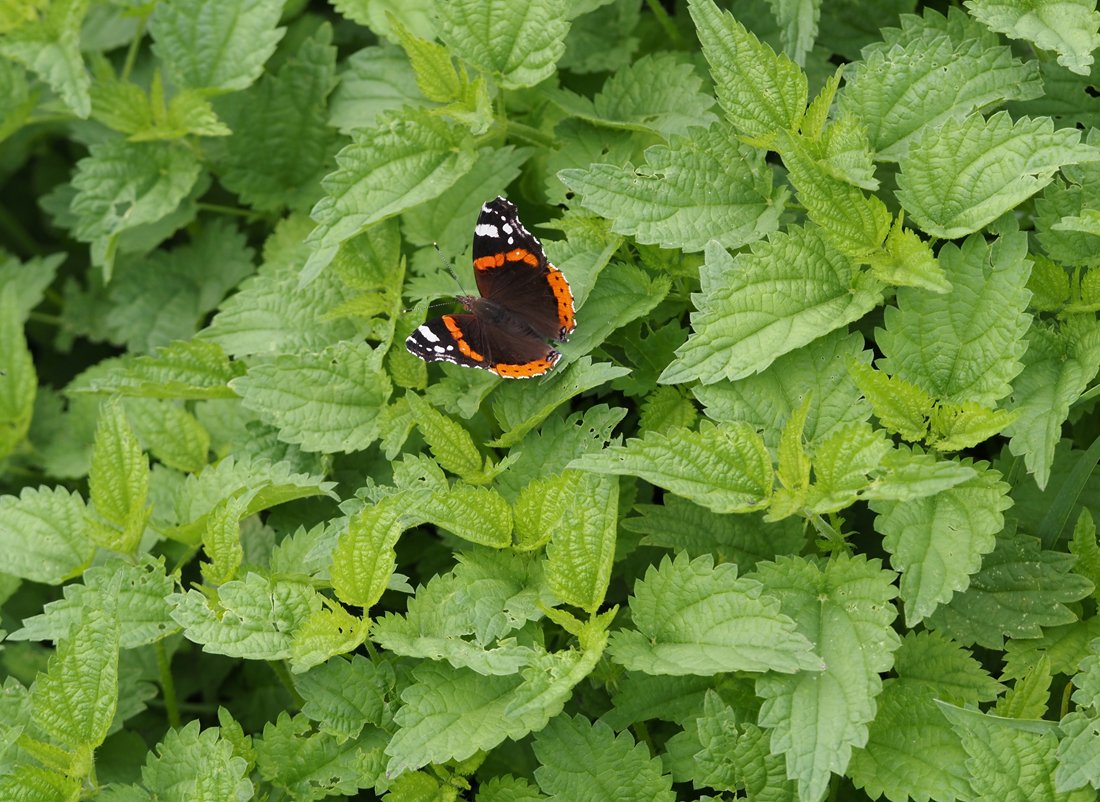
805,511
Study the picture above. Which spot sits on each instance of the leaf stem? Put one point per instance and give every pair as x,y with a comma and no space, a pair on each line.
132,51
665,21
281,671
167,685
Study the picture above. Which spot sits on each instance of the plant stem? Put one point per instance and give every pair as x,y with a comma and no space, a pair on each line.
167,685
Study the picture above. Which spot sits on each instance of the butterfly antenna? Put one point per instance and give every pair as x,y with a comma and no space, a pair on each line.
448,267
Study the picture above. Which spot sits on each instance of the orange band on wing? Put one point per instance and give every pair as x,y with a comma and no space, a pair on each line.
534,368
498,259
460,339
564,296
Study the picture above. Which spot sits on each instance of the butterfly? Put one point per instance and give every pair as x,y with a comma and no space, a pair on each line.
524,302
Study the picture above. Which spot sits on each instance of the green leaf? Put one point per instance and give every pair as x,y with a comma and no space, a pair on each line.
666,408
18,378
614,767
911,750
219,47
519,41
74,701
344,695
1019,589
1068,27
622,293
518,411
402,161
681,526
842,464
222,541
451,445
1077,751
692,617
1058,366
959,357
901,407
766,399
197,765
930,661
657,92
123,185
958,426
964,174
170,433
270,314
328,401
932,69
1029,697
757,306
281,145
364,557
477,514
118,482
183,369
937,542
708,186
1086,549
723,468
581,550
450,713
1008,760
856,224
907,261
760,92
845,608
329,631
43,535
911,474
49,45
141,604
376,80
254,618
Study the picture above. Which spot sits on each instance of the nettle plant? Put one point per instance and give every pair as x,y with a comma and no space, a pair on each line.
806,509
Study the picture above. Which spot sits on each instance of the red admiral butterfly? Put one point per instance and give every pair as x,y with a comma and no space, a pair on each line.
524,302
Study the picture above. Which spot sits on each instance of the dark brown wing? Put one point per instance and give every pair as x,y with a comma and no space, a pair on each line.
512,271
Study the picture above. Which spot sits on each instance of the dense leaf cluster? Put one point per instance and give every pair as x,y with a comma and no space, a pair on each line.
807,508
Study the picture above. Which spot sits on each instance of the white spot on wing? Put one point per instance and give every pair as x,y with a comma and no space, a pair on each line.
427,334
487,230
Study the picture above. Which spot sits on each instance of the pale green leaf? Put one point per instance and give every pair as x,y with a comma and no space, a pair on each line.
666,408
254,618
816,719
692,617
907,261
965,345
1086,549
581,550
944,668
344,695
842,464
937,542
932,69
724,468
18,379
451,445
222,541
758,306
43,534
766,399
1057,367
328,401
1065,647
708,186
217,46
518,40
327,632
170,433
304,764
195,765
375,80
476,514
1078,755
965,173
909,474
470,616
760,92
1019,590
657,92
183,369
49,45
141,605
798,21
954,427
586,762
118,481
1030,696
30,280
74,701
29,783
1071,28
622,293
402,161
